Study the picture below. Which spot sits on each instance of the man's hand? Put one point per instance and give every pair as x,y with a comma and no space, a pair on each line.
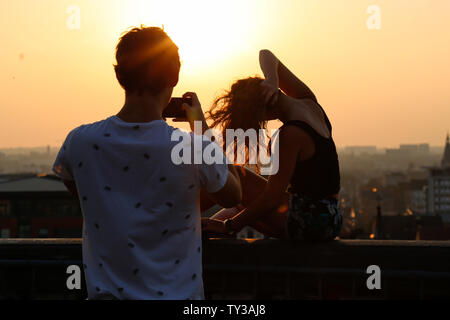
213,226
194,112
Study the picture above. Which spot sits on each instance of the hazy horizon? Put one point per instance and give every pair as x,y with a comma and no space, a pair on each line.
56,147
382,87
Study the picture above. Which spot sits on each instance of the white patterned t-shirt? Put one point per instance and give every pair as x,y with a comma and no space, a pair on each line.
141,228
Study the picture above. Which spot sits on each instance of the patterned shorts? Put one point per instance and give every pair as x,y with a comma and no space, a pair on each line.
313,220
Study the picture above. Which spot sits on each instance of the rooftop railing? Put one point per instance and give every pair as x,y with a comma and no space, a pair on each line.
254,269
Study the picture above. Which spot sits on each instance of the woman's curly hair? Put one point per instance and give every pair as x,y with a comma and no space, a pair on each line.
241,107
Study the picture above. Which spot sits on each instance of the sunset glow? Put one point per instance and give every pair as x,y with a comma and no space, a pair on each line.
206,32
380,87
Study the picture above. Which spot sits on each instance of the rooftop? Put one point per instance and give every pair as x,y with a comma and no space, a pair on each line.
32,184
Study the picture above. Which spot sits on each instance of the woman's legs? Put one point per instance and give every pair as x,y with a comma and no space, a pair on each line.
271,224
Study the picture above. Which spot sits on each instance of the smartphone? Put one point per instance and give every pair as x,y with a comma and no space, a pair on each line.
174,108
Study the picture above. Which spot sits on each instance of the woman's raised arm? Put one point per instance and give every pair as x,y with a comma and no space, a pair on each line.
276,73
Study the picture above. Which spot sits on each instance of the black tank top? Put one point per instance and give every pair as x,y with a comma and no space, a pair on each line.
317,177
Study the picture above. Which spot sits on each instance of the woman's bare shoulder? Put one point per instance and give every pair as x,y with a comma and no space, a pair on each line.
313,114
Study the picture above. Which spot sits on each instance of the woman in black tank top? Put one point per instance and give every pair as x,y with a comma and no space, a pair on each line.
299,201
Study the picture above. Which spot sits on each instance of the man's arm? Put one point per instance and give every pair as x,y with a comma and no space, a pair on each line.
230,194
278,75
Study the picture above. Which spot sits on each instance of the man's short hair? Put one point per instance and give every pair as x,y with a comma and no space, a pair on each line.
147,61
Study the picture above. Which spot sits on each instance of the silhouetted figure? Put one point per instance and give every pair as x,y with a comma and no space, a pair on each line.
141,233
308,161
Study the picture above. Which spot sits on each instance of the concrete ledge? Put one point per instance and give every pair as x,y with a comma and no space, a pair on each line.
275,269
248,269
394,255
430,256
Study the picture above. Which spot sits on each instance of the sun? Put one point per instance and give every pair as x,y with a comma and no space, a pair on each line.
206,31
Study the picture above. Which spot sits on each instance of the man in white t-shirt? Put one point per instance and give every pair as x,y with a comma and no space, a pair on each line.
142,230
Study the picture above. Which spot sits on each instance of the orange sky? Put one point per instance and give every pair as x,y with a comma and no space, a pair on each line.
380,87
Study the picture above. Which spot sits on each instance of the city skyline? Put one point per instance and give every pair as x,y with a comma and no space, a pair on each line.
433,147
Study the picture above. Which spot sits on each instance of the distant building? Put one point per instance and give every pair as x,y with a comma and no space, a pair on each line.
414,174
393,179
439,190
412,227
446,157
359,150
416,196
431,228
38,207
416,148
407,150
397,152
439,184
